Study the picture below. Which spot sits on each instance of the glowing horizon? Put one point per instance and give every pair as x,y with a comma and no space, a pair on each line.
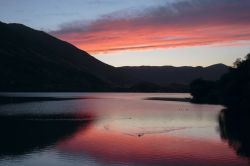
162,32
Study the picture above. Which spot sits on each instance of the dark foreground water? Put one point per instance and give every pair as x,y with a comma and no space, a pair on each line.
120,129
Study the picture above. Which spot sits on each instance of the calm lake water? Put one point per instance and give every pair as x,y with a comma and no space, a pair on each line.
117,129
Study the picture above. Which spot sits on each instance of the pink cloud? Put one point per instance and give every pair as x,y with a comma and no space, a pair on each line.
184,23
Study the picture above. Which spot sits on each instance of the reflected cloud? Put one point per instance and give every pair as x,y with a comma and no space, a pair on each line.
118,130
114,141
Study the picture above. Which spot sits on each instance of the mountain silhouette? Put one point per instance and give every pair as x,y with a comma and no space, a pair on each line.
163,75
32,60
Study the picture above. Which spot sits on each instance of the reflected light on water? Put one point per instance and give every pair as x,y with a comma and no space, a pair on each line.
113,146
117,129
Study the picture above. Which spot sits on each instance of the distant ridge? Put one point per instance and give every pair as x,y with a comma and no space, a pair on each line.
32,60
169,74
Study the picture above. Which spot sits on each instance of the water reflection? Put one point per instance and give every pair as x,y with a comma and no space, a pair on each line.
165,141
115,129
24,134
234,128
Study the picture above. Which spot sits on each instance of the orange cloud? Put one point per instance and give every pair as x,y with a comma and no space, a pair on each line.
185,23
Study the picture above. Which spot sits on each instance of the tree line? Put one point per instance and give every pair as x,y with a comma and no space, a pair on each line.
231,90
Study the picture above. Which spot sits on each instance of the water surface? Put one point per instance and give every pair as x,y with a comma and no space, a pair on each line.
117,129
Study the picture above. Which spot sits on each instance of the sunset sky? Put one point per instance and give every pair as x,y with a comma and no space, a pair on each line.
142,32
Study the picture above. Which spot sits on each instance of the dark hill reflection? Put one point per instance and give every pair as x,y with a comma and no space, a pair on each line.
24,134
234,128
113,129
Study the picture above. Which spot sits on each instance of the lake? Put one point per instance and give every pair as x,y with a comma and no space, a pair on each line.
118,129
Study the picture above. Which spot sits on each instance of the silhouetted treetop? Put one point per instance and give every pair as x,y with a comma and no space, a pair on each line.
231,90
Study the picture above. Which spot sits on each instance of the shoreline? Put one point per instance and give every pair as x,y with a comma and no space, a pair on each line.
14,100
169,99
